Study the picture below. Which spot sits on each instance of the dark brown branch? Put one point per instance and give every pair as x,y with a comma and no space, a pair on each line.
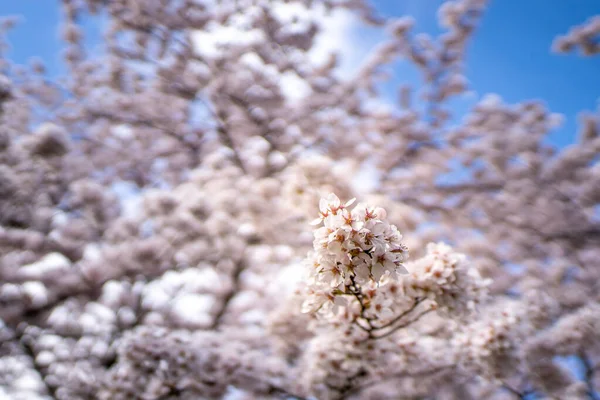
284,393
522,395
404,325
402,315
235,285
30,352
590,371
421,373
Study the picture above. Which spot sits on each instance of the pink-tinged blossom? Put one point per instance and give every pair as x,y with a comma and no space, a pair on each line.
354,245
447,278
155,205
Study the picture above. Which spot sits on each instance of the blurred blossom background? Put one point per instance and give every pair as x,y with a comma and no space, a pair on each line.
508,56
161,162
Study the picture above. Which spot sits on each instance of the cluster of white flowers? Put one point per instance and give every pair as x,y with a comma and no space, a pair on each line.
312,177
352,248
336,360
357,270
152,211
489,346
574,333
445,277
384,299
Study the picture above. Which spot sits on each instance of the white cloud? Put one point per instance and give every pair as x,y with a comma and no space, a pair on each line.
129,197
209,41
341,32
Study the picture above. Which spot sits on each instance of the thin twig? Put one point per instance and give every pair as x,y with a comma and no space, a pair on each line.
404,325
402,315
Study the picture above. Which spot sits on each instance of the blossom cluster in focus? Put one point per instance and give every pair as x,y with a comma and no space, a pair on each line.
355,247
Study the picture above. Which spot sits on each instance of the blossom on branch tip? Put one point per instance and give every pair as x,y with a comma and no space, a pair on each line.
352,248
444,276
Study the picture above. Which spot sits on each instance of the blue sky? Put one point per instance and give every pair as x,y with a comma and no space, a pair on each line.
510,54
37,32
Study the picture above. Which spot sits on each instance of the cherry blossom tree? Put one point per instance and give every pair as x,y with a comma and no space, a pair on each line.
156,206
